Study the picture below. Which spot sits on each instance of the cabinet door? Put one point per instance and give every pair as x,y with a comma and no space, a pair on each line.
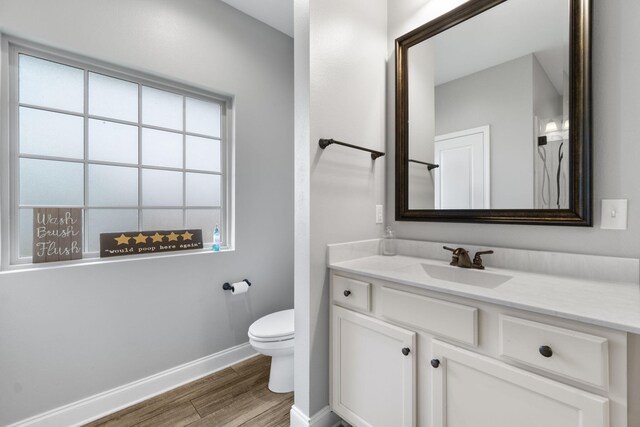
372,378
473,390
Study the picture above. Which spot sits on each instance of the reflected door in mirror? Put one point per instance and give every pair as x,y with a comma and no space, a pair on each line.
462,180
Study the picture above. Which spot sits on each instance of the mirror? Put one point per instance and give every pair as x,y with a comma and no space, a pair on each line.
493,114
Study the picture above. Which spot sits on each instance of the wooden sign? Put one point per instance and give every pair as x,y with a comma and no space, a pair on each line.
57,234
149,242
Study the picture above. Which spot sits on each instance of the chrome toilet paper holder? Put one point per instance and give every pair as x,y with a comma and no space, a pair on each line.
229,287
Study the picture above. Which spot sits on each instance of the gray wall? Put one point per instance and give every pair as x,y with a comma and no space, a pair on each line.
68,333
501,97
302,238
346,88
616,65
547,101
421,125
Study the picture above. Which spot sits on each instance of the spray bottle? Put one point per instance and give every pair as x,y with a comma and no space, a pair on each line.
216,238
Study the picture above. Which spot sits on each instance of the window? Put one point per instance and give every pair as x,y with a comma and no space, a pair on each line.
134,153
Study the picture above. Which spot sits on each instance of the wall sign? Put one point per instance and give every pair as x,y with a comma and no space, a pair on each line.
148,242
57,234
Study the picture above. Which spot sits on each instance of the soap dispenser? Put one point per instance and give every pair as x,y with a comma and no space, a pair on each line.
389,242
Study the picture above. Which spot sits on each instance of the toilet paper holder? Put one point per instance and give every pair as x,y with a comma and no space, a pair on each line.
229,287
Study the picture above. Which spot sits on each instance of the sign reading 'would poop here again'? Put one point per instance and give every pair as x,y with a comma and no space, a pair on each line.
149,242
57,234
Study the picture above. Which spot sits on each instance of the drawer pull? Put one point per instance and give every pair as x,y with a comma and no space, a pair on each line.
406,351
546,351
347,293
435,363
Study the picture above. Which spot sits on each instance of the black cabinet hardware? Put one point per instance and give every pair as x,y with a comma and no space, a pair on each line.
406,351
347,293
546,351
435,363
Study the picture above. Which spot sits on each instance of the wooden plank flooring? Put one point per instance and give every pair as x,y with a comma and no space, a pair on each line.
235,396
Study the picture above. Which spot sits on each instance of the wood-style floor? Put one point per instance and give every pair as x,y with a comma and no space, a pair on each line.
235,396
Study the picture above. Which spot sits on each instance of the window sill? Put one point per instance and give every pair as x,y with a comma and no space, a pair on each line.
118,259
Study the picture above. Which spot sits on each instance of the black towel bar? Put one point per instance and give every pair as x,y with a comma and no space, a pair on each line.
324,143
429,165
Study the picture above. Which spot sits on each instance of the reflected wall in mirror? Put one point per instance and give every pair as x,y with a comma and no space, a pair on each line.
493,114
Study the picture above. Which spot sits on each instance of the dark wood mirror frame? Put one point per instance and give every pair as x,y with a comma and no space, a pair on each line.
580,164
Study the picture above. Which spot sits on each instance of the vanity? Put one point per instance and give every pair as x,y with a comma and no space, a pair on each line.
493,125
418,342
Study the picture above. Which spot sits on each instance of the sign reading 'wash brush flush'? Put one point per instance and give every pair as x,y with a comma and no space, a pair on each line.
57,234
149,242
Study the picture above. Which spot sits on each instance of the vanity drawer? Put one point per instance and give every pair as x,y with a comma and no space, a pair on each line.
443,318
351,293
570,354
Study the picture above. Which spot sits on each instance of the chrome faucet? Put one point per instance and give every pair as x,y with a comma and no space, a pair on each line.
460,258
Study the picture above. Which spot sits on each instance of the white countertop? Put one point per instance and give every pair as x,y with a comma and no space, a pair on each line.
614,305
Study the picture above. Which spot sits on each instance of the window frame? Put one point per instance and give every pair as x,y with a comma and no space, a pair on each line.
10,191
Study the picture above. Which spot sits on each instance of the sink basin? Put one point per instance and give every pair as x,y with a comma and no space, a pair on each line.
462,275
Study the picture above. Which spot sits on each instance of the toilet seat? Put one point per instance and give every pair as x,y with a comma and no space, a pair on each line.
278,326
271,339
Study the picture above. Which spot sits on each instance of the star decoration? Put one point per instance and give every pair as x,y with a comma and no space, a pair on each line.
157,237
186,235
141,238
173,237
122,240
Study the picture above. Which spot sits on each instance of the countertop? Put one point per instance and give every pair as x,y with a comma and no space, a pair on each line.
614,305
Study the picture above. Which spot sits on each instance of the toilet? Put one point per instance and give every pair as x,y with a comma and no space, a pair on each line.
272,335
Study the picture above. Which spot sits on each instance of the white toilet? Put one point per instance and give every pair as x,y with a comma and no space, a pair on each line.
272,335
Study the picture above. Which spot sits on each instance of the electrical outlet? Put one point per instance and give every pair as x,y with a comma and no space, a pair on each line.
614,214
379,217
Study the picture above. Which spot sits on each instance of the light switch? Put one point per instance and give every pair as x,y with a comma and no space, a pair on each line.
379,217
614,214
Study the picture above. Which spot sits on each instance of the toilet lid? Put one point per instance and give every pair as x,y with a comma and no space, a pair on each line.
276,326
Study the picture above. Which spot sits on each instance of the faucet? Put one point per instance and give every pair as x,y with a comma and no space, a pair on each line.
460,258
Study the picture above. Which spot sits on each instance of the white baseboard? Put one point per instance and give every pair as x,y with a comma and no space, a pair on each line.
99,405
322,418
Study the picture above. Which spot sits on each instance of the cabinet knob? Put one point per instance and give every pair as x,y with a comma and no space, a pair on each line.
546,351
435,363
406,351
347,293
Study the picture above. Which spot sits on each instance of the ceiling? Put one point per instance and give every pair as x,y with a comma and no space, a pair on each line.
275,13
532,26
506,32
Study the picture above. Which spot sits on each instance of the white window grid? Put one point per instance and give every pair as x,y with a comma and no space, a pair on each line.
17,48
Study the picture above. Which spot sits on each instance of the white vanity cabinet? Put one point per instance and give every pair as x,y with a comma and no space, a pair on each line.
373,371
470,363
474,390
